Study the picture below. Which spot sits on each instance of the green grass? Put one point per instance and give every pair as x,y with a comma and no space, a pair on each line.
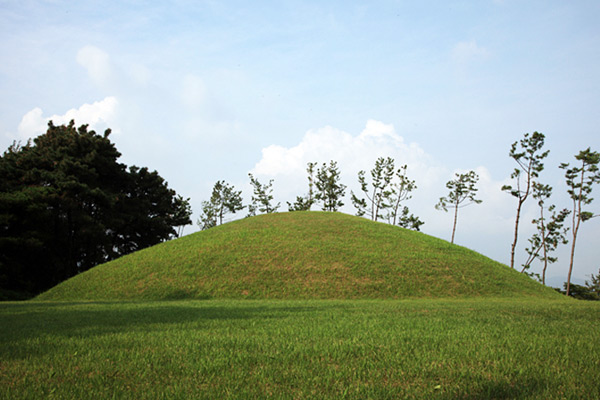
325,349
300,255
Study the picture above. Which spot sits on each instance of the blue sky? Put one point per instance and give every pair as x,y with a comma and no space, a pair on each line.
202,91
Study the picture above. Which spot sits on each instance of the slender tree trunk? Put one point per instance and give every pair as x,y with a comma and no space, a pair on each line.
576,221
454,226
545,247
514,244
572,257
396,209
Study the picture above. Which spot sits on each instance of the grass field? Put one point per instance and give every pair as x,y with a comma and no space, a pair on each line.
325,349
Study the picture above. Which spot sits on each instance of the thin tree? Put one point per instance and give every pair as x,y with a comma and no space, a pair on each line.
549,232
529,160
462,193
329,189
381,177
224,200
580,180
262,197
400,190
305,203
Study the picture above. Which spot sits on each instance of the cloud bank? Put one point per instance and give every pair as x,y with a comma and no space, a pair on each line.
97,115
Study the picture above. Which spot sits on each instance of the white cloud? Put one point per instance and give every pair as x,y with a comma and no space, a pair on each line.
353,152
287,166
96,62
98,115
32,124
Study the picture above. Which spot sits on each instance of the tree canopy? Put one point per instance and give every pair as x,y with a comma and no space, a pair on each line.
67,204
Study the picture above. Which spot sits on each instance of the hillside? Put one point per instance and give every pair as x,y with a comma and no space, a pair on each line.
300,255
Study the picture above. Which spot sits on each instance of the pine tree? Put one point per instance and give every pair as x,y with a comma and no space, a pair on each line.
462,193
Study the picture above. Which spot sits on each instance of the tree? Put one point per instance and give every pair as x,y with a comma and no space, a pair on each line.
462,193
262,197
594,285
407,220
530,164
151,211
580,292
224,200
400,191
549,233
66,205
381,177
329,190
305,203
183,210
580,181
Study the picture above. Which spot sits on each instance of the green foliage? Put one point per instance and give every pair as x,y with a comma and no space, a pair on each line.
462,193
66,205
300,255
594,284
262,197
224,200
580,292
580,181
250,349
305,203
183,211
549,234
529,160
400,190
329,189
381,177
386,195
407,220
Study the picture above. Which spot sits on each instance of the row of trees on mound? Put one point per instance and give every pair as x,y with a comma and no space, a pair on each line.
550,223
67,204
383,198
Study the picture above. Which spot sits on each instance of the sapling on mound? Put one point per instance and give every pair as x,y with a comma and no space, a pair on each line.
262,197
305,203
530,164
580,181
224,200
381,177
329,190
550,233
462,193
400,190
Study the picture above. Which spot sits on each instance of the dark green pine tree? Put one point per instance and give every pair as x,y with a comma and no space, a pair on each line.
67,204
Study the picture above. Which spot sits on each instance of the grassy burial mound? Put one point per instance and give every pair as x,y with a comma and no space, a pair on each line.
300,255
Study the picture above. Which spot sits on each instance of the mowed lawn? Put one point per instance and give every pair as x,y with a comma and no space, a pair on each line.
324,349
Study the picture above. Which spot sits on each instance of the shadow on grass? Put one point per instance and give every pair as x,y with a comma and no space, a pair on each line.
516,388
20,321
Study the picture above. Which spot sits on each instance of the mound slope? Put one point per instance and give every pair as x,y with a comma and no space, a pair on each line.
300,255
